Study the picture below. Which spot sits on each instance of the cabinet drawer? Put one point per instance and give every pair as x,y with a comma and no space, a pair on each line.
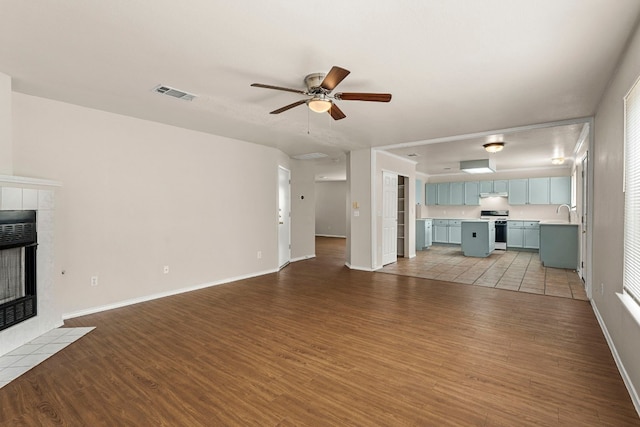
532,224
455,223
515,224
441,222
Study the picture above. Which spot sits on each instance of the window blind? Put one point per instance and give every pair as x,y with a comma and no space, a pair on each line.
631,270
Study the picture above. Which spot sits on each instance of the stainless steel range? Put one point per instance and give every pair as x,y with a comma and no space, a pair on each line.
500,218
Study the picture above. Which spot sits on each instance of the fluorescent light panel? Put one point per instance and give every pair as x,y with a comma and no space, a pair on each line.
478,166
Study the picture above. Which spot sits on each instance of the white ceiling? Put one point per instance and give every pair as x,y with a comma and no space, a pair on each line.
454,67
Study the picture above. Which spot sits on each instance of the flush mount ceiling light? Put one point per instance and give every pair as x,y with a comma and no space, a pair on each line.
494,147
319,104
478,166
557,160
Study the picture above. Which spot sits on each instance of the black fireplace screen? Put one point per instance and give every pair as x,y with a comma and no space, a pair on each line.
18,244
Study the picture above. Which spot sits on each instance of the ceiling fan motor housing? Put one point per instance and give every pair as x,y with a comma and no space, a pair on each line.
313,82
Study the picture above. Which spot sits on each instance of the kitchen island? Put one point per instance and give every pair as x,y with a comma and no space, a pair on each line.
478,237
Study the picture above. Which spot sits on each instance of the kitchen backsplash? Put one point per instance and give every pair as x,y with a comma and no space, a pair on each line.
531,212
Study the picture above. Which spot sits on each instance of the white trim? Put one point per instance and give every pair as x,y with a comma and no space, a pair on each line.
614,352
631,305
397,156
10,179
374,207
151,297
302,258
354,267
331,235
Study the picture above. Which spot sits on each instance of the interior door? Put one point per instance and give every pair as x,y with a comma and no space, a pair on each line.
284,217
583,206
389,217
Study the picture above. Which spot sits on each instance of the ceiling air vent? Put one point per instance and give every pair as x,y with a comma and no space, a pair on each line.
169,91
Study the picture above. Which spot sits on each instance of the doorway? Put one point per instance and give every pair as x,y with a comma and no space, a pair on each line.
284,217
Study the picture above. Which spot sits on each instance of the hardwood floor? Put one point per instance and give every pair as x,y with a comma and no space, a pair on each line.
319,344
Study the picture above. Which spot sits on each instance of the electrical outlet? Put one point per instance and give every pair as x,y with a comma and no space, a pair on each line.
94,280
259,254
165,270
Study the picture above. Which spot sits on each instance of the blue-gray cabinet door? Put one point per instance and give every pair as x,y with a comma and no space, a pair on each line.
560,190
472,193
431,195
456,193
538,191
518,191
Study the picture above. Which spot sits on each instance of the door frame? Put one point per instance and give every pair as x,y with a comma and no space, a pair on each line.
283,224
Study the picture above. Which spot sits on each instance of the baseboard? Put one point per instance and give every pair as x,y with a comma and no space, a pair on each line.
614,352
331,235
355,267
151,297
302,258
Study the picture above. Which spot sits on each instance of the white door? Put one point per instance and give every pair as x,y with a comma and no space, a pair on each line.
284,217
583,235
389,217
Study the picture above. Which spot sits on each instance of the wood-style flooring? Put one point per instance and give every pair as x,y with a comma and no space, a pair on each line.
318,344
512,270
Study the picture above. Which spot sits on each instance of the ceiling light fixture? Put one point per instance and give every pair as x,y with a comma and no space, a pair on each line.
478,166
319,105
494,147
557,160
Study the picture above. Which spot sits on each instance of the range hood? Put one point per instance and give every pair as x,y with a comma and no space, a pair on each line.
499,194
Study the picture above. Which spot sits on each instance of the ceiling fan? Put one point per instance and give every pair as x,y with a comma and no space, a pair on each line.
319,87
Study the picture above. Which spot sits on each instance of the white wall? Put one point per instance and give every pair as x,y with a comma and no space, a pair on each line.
331,202
608,217
303,195
6,158
139,195
359,219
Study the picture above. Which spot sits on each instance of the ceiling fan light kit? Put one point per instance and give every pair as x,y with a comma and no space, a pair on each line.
494,147
319,87
478,166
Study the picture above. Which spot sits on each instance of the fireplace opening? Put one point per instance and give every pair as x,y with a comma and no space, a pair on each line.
18,244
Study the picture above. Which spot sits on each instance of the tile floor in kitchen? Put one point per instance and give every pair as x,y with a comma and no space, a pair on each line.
513,270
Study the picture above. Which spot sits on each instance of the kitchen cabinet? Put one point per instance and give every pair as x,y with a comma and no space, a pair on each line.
424,238
538,191
444,195
559,245
531,235
518,191
431,196
486,186
523,234
472,193
478,238
441,231
456,193
455,231
560,190
501,186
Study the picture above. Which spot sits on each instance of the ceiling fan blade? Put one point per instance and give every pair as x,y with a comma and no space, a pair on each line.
278,88
359,96
336,112
288,107
333,79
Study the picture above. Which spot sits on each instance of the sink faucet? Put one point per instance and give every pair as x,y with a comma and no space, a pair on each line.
568,211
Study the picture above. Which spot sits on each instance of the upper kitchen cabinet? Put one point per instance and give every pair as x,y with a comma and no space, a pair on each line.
431,196
419,191
456,193
486,186
501,186
444,196
560,190
518,191
472,193
538,191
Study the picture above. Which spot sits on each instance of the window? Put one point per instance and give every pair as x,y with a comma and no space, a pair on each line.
631,270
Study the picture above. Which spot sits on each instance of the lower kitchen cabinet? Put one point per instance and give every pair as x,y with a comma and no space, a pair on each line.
441,231
455,231
423,234
523,234
559,245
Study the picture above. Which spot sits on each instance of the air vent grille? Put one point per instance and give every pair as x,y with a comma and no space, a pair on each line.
175,93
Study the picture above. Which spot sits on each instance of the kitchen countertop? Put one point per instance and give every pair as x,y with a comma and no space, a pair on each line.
557,222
